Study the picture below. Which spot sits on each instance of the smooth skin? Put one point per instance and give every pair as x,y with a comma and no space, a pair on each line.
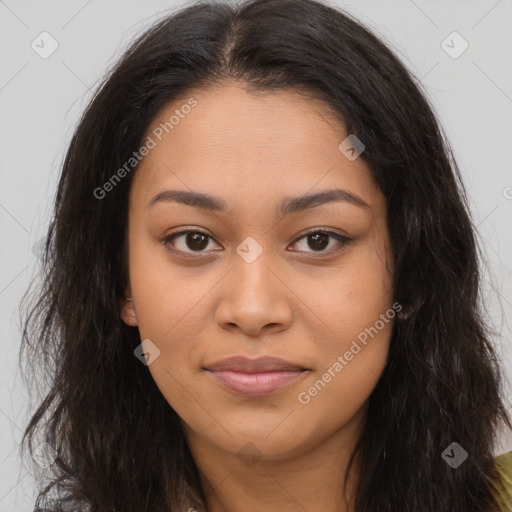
299,300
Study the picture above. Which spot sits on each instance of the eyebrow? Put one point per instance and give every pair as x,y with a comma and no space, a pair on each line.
289,205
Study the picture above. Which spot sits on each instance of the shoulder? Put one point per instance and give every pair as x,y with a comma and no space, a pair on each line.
504,487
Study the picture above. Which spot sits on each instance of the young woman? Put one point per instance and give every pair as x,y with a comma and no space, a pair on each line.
261,286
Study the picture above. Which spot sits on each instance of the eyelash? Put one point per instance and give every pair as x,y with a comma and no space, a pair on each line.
342,240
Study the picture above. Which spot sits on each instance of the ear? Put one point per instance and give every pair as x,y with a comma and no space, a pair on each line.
128,313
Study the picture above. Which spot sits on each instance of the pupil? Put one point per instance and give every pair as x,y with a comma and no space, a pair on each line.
318,238
197,243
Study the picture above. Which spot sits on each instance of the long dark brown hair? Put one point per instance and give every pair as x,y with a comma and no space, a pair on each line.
119,444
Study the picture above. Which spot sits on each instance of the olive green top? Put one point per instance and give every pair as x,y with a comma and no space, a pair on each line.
504,488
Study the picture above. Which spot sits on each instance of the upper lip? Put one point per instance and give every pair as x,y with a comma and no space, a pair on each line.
248,365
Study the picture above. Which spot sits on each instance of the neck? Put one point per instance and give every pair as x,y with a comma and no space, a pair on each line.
310,479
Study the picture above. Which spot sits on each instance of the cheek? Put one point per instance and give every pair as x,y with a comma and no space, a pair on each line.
333,398
173,308
359,315
356,309
164,293
354,294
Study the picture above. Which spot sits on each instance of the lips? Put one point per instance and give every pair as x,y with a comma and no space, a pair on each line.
247,365
255,377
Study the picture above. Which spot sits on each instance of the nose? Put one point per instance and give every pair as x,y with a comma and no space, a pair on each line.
254,299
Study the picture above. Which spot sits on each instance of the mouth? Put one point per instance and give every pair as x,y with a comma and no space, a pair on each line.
255,377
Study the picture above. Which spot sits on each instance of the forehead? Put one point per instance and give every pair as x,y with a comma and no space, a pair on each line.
264,145
231,116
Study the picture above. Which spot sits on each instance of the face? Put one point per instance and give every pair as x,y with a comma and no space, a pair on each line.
254,272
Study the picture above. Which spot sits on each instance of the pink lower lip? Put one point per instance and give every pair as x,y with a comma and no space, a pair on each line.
256,384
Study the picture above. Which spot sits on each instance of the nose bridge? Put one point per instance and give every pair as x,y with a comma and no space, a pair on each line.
251,268
254,297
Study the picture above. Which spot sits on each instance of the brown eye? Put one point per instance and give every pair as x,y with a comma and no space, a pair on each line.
188,241
196,241
319,240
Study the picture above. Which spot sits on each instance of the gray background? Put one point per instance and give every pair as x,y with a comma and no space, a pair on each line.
41,100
